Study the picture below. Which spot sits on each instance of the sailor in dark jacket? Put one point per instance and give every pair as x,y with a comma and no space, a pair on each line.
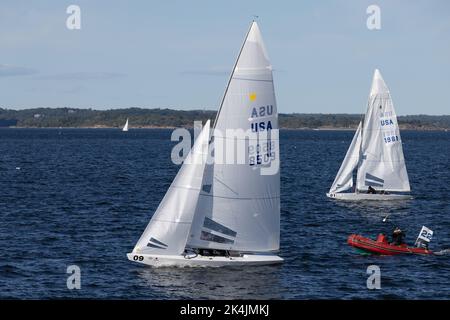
398,236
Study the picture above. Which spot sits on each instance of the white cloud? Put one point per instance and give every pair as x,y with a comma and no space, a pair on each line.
82,76
8,71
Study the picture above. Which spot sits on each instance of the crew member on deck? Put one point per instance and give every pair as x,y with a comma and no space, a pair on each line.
371,190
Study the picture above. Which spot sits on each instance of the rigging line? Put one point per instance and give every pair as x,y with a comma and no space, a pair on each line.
248,138
223,183
248,79
231,198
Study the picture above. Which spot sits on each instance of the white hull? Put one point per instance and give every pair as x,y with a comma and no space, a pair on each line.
203,261
368,196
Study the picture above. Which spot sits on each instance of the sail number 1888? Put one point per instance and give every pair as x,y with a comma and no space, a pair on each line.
391,139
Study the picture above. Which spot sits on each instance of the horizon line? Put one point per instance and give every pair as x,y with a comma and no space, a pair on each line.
202,110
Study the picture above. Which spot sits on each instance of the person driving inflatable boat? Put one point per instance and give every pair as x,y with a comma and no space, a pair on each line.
398,237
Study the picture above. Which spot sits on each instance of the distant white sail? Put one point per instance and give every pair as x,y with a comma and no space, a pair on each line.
239,207
125,127
169,227
344,177
382,164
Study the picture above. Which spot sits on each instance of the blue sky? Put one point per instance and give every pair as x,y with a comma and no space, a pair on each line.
178,54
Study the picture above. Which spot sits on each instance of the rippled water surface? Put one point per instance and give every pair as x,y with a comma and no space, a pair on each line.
83,197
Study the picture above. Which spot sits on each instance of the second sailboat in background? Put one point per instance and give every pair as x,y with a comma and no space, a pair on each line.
376,151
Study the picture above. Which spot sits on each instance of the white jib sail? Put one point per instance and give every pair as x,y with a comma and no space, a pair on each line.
239,206
169,227
382,164
344,177
125,127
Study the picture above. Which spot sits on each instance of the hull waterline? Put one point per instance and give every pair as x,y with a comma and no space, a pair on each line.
368,196
203,261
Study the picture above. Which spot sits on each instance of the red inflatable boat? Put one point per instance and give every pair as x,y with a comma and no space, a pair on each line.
382,247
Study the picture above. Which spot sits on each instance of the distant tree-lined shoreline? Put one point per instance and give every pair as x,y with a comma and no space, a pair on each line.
165,118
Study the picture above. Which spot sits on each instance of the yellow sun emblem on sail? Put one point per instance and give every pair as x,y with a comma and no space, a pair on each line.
252,96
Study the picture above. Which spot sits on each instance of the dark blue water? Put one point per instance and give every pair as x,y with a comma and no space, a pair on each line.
83,197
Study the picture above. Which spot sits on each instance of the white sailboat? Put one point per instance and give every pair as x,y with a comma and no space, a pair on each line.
125,127
376,152
219,214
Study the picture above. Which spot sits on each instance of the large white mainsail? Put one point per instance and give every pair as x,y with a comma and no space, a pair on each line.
344,177
168,230
239,206
382,164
